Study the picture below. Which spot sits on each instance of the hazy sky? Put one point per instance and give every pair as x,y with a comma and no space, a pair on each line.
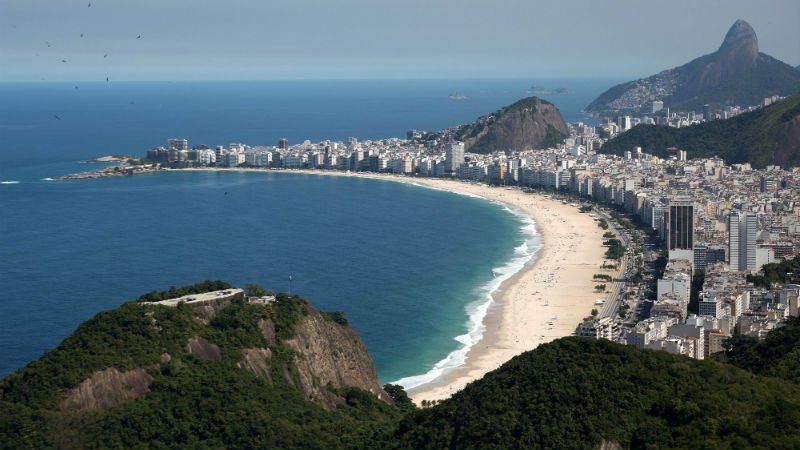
312,39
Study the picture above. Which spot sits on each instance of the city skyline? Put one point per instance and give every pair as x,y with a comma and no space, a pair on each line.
147,40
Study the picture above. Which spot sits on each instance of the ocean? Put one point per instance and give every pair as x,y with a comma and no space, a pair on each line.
410,267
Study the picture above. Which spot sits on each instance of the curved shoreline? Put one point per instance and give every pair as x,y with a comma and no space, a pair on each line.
543,301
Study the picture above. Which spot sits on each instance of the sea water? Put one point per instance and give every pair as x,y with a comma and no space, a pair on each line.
412,268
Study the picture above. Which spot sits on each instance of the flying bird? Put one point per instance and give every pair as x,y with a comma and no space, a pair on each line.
76,88
106,79
48,44
89,5
57,118
81,35
139,36
63,60
105,56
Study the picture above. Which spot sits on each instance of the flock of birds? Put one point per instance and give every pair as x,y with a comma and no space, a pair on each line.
64,61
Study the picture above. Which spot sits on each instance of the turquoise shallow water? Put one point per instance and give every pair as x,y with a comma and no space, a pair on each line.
407,265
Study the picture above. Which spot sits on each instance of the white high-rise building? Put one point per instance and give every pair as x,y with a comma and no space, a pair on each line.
742,233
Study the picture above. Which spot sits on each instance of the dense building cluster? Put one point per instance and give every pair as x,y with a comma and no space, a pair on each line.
724,221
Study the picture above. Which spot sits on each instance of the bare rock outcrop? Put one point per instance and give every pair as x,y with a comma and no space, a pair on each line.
256,360
107,388
203,349
330,354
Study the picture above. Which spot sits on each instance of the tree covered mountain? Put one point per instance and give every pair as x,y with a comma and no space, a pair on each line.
527,124
236,374
766,136
736,74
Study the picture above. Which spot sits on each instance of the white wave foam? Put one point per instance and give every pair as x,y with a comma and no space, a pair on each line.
47,179
476,311
9,182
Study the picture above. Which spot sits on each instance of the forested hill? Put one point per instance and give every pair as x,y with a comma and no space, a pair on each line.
579,393
239,374
529,123
766,136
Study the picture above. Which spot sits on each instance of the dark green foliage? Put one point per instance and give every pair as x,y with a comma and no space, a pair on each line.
575,392
173,292
287,312
498,131
133,335
399,396
335,316
756,137
254,290
615,249
787,271
192,403
553,137
572,393
777,355
236,326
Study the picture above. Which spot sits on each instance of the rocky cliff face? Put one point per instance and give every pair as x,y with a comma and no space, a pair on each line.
320,357
327,354
735,74
527,124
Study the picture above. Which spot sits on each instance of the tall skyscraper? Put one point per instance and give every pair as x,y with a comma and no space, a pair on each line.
680,229
453,158
742,234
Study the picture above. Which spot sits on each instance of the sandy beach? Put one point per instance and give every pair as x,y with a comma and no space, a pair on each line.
544,301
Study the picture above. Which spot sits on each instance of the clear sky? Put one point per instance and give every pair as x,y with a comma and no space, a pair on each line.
319,39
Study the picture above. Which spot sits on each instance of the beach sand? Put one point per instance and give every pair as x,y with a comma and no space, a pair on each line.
544,301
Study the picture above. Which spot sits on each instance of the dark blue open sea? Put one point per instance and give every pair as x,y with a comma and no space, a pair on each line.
409,266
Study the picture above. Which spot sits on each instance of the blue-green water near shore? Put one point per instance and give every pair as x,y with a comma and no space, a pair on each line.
407,265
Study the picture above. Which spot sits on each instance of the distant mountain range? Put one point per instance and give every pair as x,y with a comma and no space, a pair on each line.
527,124
736,74
766,136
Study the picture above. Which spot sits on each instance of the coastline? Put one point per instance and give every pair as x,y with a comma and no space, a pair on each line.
543,301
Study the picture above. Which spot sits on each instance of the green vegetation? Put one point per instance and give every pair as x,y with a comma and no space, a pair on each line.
787,271
585,208
759,137
335,316
575,393
615,249
602,276
600,287
602,224
254,290
523,124
778,355
192,403
572,393
173,292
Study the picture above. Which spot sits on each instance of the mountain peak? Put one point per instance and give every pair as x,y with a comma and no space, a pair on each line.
736,74
741,43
